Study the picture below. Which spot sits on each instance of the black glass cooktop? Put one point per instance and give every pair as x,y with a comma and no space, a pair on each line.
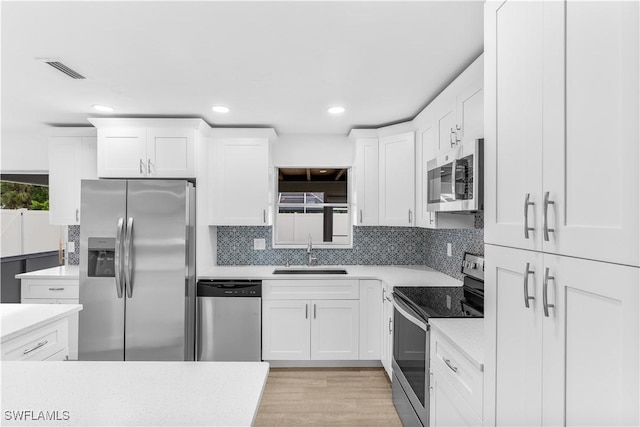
431,301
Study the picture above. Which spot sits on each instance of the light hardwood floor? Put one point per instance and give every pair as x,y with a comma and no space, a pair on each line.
327,397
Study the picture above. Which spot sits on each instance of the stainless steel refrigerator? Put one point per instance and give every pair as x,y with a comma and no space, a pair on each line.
137,270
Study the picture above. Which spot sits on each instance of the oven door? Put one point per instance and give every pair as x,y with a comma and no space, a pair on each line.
411,358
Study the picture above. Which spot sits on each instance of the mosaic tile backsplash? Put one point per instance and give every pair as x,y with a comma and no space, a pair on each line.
73,235
461,241
371,246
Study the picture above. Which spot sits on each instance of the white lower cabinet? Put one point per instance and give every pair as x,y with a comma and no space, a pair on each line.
387,328
286,330
58,291
447,407
310,319
371,300
562,340
48,342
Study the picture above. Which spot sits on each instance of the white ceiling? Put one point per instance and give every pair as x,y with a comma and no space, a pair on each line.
275,64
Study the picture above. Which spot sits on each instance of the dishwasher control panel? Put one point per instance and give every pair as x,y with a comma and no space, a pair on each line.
229,288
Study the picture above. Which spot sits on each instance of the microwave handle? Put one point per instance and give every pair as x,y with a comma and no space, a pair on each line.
454,165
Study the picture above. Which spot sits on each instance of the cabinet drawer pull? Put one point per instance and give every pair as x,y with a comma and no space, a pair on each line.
141,167
390,329
149,166
56,289
410,216
264,216
448,363
306,311
314,311
527,203
360,217
40,344
77,215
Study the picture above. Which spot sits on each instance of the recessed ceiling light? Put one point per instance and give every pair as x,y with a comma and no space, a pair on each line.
336,110
220,109
103,108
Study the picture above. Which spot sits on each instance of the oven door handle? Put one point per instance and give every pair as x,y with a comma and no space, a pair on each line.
407,311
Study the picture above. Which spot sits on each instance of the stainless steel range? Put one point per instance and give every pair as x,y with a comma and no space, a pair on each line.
414,306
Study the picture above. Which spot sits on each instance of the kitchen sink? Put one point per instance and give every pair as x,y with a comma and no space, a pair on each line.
309,271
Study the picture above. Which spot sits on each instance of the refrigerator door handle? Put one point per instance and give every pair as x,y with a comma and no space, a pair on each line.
128,257
117,259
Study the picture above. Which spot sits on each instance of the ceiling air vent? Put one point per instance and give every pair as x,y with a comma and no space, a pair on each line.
64,69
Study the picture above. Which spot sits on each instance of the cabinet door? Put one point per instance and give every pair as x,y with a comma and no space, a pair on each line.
471,112
513,337
286,329
592,125
387,330
397,179
122,153
370,319
447,407
170,153
445,120
591,339
240,182
513,125
334,330
367,181
64,180
425,151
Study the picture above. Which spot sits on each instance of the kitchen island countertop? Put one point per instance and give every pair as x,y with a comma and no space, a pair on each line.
18,319
132,393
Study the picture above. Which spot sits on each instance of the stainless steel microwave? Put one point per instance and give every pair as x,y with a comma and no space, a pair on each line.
454,179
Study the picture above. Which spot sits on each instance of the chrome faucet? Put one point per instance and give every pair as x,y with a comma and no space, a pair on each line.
311,260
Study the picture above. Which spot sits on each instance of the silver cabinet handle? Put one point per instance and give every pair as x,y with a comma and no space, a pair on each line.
306,311
314,311
56,289
527,203
384,291
448,363
117,258
128,257
451,138
77,215
149,166
545,217
527,272
40,344
458,128
360,216
545,289
410,216
264,216
141,167
390,329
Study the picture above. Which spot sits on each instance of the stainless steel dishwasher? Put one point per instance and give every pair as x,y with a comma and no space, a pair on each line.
229,320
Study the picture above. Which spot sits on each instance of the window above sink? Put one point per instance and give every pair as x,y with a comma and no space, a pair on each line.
312,202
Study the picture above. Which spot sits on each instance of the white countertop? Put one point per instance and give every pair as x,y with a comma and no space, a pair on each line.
466,334
394,275
18,319
135,393
60,272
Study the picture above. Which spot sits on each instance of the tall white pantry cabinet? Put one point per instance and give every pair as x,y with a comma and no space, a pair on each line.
562,217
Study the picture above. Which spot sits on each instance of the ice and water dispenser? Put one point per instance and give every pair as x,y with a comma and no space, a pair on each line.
101,257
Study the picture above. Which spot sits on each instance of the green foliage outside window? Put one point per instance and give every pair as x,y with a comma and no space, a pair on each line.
16,196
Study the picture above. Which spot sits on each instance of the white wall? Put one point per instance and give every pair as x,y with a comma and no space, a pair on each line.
21,154
317,150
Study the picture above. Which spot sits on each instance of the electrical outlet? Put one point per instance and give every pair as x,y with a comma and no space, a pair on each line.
259,244
449,302
71,246
448,249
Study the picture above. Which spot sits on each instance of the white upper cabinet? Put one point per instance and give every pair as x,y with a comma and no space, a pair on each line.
397,179
562,128
458,111
241,180
366,177
147,148
72,158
